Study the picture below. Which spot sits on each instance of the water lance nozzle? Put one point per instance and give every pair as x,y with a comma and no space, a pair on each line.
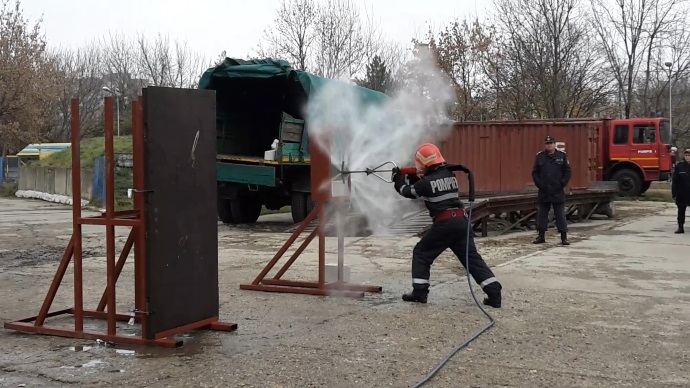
370,171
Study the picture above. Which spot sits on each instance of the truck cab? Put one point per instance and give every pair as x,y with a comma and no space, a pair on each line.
637,152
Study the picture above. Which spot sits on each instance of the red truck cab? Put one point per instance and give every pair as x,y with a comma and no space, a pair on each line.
635,152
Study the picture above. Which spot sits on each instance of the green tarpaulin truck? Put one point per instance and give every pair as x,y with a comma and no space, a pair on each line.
257,102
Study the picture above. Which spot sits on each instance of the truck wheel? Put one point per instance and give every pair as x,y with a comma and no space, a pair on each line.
245,210
629,183
224,210
645,186
301,206
239,210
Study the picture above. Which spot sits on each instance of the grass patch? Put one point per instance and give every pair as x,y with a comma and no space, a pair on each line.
90,149
123,181
284,209
651,196
657,196
8,189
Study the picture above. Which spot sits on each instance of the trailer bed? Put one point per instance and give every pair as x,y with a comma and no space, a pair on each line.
259,161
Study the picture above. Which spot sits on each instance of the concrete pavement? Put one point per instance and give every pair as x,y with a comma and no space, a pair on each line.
642,257
611,310
623,294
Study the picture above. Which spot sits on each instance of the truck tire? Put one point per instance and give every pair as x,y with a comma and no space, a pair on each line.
239,210
301,205
224,210
245,210
645,186
629,183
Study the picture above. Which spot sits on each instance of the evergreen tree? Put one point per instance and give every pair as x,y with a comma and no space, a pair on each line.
378,77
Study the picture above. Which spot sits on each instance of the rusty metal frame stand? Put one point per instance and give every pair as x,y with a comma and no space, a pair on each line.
321,194
136,240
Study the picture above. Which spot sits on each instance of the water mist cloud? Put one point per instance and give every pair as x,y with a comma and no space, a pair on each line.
364,134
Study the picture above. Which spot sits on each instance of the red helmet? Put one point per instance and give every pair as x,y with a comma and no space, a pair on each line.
427,155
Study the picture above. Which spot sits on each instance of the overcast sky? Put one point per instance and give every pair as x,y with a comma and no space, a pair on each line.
211,26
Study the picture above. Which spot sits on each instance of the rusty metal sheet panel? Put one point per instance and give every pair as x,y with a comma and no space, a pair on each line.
501,153
181,217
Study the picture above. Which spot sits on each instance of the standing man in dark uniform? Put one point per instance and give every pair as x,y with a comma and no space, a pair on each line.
551,174
439,189
680,188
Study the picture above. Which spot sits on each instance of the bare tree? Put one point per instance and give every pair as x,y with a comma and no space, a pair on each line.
163,64
121,66
28,80
461,47
514,94
549,42
627,31
344,40
292,33
82,70
332,39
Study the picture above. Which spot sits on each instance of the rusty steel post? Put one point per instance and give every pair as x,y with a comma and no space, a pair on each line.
118,268
109,213
76,216
111,219
321,193
285,247
341,239
322,245
296,254
55,284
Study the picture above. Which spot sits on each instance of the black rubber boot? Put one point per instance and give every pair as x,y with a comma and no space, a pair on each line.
419,293
680,229
540,239
564,238
493,293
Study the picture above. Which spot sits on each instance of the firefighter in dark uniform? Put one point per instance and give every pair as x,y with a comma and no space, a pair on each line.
680,188
551,174
438,187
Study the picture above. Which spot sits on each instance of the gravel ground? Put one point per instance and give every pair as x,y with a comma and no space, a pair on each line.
609,310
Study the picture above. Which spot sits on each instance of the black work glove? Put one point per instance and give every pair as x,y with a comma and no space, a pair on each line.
413,179
398,179
395,172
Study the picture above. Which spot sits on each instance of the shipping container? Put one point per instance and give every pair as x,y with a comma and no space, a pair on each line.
501,154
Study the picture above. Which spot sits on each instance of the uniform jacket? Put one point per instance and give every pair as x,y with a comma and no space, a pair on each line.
680,182
551,174
438,188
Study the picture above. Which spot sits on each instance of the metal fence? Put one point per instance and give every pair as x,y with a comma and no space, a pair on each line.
9,169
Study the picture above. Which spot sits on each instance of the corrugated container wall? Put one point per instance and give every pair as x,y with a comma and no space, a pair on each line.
501,154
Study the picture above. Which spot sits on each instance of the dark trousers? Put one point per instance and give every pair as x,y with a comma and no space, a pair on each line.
559,213
682,206
450,233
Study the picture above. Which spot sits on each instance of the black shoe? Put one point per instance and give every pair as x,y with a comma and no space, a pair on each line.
539,240
493,302
564,239
412,297
493,295
680,230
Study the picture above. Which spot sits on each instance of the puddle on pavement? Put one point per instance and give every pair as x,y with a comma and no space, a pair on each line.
193,344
